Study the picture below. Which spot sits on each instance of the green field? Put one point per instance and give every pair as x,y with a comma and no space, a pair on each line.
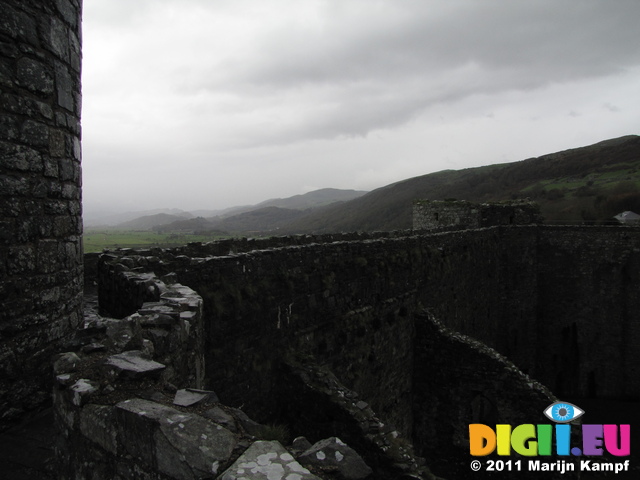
96,240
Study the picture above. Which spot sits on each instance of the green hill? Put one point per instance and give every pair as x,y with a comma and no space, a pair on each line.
587,184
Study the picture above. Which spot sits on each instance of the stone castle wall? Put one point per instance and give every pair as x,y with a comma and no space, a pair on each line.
40,207
350,305
129,403
587,311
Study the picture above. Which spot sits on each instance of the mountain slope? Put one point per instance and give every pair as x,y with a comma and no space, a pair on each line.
582,184
191,225
147,222
111,219
316,198
261,220
305,201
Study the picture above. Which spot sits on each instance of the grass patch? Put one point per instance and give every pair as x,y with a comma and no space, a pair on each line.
276,432
96,240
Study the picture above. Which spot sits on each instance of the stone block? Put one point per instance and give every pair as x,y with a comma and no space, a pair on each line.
268,461
181,446
8,127
64,85
97,425
68,12
124,334
187,397
20,259
18,25
333,454
56,143
35,133
132,365
58,39
66,363
218,415
35,76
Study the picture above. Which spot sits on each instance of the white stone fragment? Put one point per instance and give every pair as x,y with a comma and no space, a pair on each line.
81,389
266,458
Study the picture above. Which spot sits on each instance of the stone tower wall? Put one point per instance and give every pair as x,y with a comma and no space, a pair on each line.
438,214
40,197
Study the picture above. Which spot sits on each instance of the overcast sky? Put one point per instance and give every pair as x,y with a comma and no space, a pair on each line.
206,104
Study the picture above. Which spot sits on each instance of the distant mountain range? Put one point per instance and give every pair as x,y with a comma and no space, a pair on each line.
259,221
111,219
587,184
265,216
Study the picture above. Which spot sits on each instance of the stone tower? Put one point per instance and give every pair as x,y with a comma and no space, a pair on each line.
40,194
434,214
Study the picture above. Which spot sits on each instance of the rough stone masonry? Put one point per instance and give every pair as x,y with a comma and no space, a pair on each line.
40,199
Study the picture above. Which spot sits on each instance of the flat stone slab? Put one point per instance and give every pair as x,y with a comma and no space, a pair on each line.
189,396
149,308
132,364
267,461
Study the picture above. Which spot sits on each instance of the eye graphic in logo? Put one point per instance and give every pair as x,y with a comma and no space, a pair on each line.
563,412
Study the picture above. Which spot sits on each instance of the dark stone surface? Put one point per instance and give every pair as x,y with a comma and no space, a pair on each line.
40,244
333,454
26,450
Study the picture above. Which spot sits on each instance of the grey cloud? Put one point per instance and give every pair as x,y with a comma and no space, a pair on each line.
560,40
209,84
387,64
